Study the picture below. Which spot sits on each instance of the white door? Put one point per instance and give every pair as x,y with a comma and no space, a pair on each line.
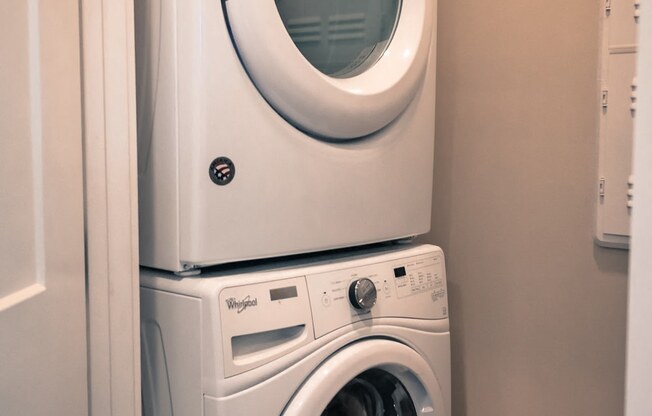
42,282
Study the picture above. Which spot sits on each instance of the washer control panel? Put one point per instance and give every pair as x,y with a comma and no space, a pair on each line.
413,287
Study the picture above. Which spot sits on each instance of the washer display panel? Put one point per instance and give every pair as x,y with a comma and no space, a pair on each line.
375,393
341,38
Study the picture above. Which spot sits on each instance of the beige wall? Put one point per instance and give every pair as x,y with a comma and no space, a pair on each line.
537,310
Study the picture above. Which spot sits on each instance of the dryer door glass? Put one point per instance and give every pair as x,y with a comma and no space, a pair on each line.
335,69
341,38
372,393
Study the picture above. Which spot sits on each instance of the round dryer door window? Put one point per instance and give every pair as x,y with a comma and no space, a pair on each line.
342,38
336,69
370,378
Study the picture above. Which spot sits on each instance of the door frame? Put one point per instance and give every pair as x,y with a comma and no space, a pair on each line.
111,206
638,400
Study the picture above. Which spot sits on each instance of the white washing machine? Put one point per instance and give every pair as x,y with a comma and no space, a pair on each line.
365,334
273,127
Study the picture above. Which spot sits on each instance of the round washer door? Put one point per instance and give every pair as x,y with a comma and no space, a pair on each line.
375,377
338,69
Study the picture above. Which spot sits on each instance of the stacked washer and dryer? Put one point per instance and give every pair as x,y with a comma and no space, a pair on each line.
270,134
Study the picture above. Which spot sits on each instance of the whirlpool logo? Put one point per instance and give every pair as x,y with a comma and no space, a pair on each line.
241,305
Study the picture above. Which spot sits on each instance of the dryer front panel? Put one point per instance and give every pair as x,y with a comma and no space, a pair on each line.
229,167
335,69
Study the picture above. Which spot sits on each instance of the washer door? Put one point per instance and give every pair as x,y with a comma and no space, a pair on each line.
338,69
376,377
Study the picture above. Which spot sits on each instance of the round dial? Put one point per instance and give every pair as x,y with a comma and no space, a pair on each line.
362,294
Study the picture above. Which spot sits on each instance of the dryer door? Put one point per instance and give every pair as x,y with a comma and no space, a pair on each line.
337,69
375,377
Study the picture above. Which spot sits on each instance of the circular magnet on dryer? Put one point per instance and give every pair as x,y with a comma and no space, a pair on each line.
221,170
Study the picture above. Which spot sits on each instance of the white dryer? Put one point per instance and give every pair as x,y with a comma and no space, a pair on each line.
366,334
274,127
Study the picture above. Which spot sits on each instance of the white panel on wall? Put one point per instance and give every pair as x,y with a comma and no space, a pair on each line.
618,110
638,400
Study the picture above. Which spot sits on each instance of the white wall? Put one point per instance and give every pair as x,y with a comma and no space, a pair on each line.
538,312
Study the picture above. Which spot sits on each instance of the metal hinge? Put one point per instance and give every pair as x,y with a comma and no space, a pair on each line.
605,98
601,186
607,6
633,96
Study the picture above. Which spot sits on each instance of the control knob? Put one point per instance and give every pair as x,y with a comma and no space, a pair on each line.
362,294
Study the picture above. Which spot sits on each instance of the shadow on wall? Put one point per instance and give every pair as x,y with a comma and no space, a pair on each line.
609,260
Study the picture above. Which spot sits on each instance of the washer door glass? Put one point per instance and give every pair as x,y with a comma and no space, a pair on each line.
341,38
375,377
372,393
335,69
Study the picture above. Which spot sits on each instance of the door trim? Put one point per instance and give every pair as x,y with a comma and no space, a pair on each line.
111,216
638,400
